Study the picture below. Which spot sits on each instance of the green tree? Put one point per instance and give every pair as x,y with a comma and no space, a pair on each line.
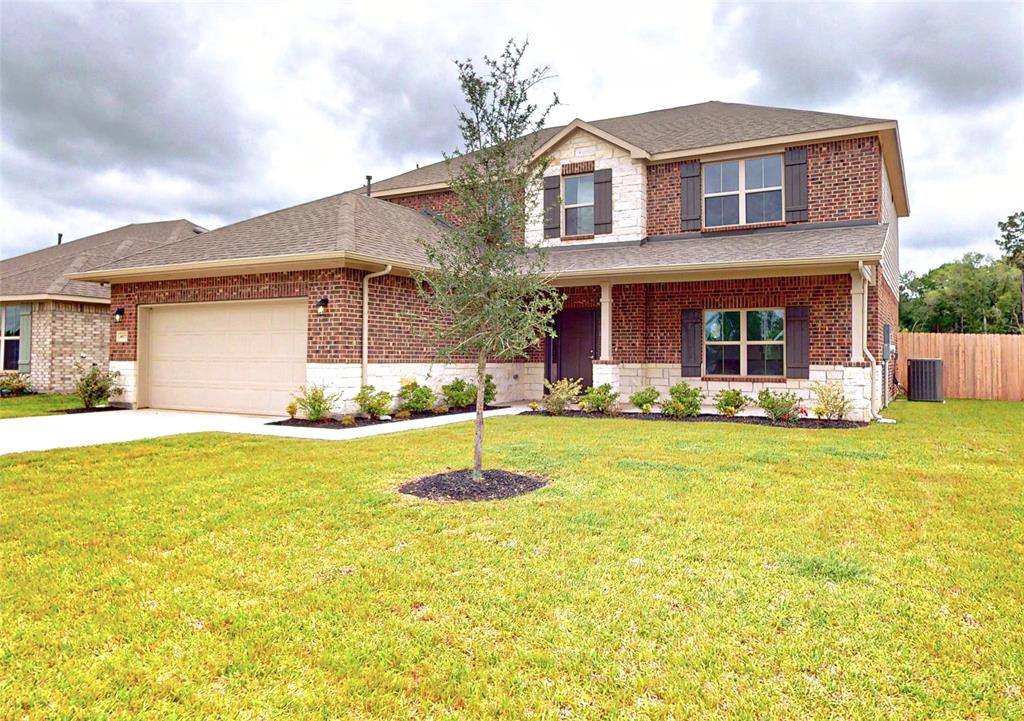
492,296
975,294
1011,242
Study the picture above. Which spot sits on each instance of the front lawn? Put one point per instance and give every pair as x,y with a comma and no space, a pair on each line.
37,405
667,571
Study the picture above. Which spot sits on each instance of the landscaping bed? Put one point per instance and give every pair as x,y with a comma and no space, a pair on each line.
360,421
711,418
460,486
97,409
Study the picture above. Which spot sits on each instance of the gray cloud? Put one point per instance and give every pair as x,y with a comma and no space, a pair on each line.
957,56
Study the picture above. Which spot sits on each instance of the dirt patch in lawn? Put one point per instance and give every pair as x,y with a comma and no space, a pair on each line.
460,486
713,418
359,421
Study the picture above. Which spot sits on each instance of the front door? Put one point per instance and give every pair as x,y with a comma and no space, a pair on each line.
576,346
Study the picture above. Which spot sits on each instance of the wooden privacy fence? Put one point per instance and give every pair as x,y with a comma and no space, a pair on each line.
989,367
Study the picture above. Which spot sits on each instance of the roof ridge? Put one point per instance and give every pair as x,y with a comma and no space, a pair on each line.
346,219
170,241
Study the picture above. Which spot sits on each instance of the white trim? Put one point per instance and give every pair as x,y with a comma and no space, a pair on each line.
49,296
579,124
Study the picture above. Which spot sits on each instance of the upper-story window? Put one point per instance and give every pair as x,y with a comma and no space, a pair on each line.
579,204
741,192
10,336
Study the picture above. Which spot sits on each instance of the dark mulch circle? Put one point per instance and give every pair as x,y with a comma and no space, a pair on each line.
362,421
715,418
99,409
460,486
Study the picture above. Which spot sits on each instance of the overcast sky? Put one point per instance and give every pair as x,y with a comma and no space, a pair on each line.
119,113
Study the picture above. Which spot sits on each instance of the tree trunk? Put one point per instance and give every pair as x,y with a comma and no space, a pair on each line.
478,444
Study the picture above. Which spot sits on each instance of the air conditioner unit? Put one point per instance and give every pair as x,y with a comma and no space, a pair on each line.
924,379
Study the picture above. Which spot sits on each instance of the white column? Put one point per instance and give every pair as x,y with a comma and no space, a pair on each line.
857,305
606,321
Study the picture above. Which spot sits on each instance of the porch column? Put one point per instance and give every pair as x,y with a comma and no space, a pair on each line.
857,305
606,321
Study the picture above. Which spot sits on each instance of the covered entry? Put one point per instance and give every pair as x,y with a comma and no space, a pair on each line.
245,357
571,354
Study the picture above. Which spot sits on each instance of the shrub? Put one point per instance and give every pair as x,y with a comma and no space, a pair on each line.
416,398
373,403
403,415
600,399
730,401
832,402
561,395
490,390
779,406
459,393
684,401
14,383
439,410
292,408
348,421
96,385
645,398
315,402
533,406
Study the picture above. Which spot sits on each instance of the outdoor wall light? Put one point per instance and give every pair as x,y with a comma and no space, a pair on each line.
119,315
321,306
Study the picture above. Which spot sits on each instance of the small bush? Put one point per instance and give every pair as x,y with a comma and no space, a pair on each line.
561,395
600,399
403,415
348,421
533,406
490,390
645,398
96,385
315,402
416,398
459,393
439,410
373,403
292,408
730,401
14,383
832,403
779,406
684,401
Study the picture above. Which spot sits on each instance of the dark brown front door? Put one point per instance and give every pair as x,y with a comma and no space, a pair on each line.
576,346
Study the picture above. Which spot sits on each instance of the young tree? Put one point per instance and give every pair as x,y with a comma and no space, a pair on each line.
1011,242
489,290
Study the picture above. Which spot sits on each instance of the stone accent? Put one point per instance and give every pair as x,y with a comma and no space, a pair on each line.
129,371
63,334
606,373
629,187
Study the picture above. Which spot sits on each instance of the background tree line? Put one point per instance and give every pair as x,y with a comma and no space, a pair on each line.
976,294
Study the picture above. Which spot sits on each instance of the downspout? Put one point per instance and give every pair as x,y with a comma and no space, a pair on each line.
364,370
864,344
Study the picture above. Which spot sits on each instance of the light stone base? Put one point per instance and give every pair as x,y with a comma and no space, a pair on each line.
129,371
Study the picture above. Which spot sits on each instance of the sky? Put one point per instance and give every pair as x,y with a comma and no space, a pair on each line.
120,113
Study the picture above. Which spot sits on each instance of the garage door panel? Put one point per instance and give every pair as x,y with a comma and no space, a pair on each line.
231,357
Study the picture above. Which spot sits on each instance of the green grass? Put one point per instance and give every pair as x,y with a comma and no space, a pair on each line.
37,405
668,571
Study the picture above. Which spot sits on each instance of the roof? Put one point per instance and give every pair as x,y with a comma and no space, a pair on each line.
42,272
349,224
768,247
688,127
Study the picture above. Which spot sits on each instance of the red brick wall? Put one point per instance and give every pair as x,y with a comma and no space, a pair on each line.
441,201
577,297
843,183
883,307
646,318
399,320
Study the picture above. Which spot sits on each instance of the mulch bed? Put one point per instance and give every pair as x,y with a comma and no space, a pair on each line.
715,418
7,394
99,409
361,421
460,486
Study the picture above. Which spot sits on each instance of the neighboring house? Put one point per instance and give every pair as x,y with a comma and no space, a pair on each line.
48,322
722,244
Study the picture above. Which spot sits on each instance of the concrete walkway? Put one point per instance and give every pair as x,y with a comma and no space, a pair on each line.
41,433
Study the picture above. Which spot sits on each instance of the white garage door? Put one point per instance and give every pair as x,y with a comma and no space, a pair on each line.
229,357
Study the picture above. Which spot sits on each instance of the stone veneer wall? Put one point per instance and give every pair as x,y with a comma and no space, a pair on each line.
63,334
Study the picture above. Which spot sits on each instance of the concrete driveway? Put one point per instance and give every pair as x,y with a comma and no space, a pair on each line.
40,433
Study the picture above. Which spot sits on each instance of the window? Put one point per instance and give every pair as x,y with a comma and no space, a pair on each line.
745,342
10,320
740,192
579,205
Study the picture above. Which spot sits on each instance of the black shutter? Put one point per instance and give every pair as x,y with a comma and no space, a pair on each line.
796,184
692,342
689,195
602,201
798,342
552,206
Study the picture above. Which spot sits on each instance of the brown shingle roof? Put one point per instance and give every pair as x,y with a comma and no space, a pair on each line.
348,222
819,244
42,272
688,127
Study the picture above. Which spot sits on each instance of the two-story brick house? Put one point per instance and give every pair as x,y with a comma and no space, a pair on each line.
722,244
